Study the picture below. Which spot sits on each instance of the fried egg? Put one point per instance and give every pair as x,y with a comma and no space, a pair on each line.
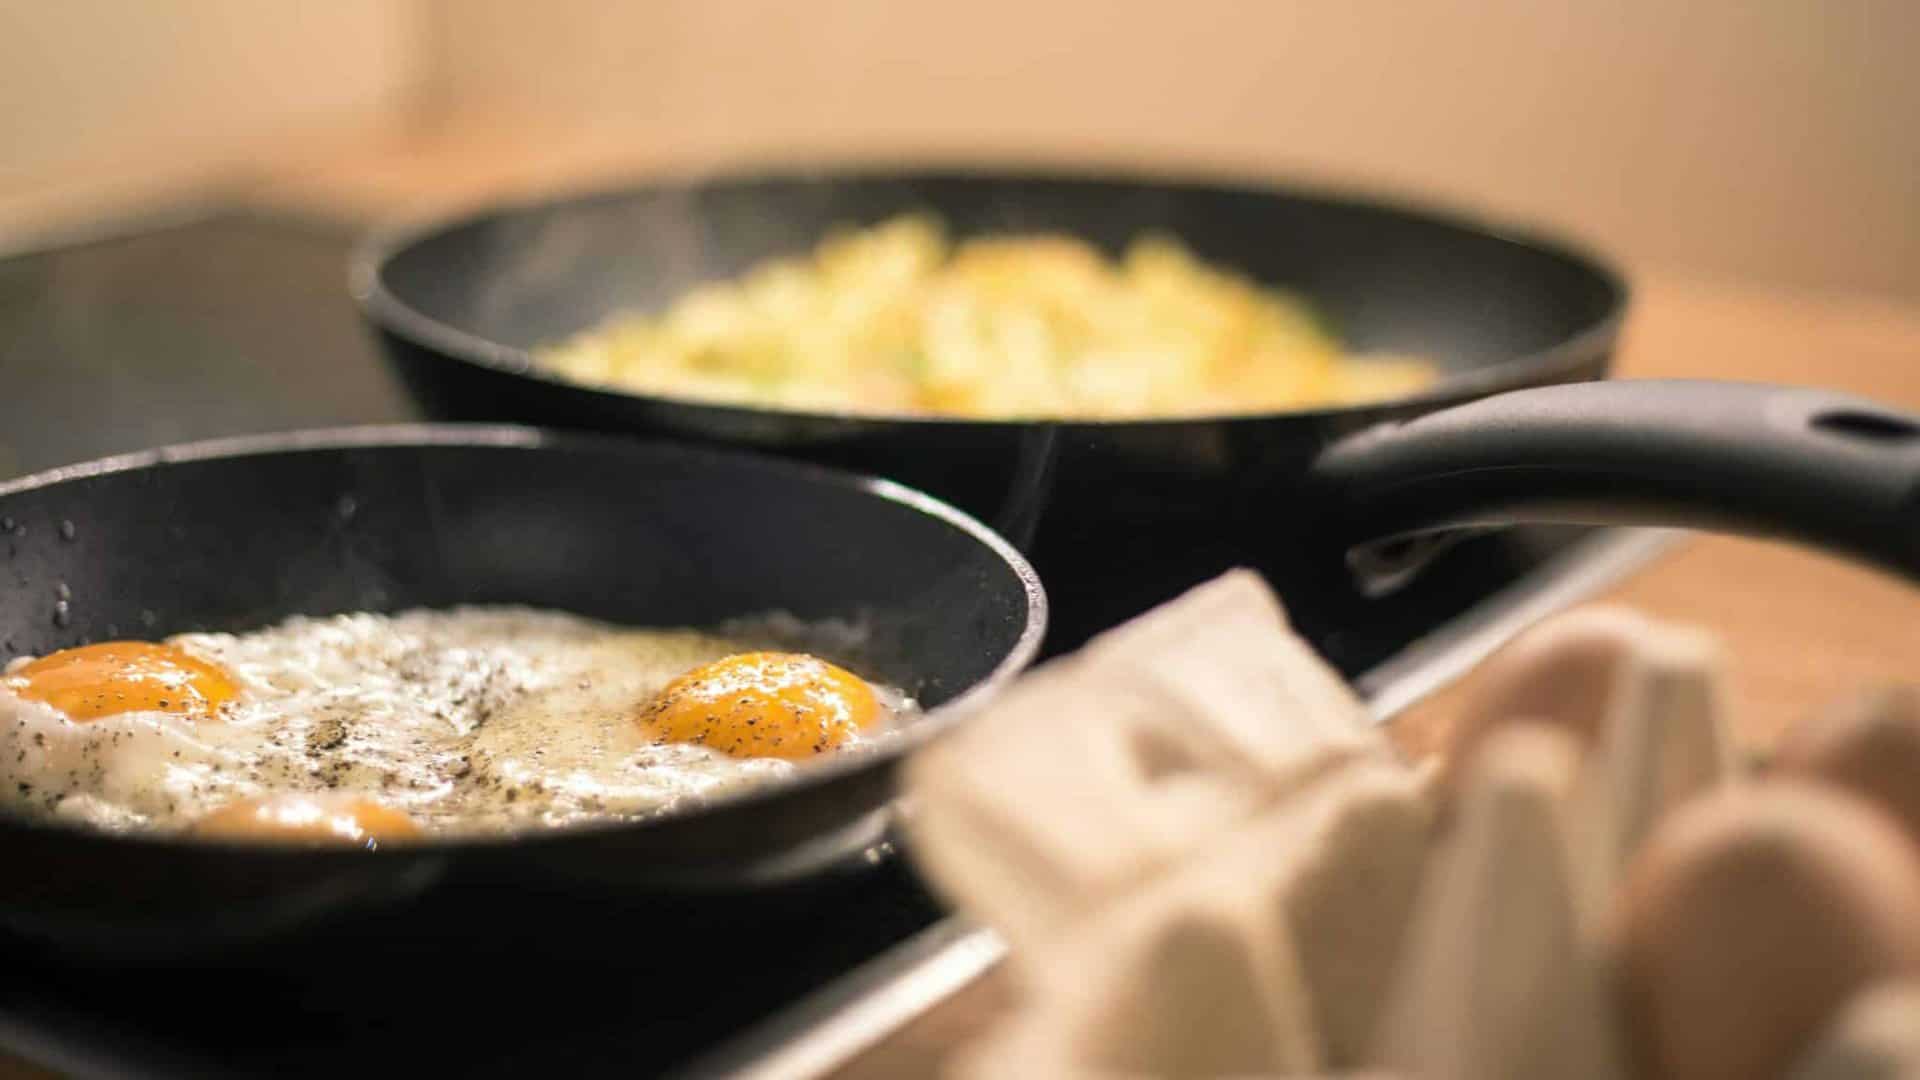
370,729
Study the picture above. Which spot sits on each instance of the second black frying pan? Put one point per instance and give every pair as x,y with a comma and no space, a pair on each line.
1116,516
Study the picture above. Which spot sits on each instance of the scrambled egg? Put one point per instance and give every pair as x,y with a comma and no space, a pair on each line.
897,320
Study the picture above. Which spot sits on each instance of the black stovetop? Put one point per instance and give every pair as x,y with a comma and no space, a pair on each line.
240,323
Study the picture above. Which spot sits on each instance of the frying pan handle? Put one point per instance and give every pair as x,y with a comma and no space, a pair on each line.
1821,468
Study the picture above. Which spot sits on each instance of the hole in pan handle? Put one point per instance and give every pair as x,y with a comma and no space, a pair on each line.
1819,468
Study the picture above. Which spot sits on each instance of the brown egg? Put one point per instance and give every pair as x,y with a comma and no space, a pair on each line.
1667,742
1868,744
1563,672
1749,920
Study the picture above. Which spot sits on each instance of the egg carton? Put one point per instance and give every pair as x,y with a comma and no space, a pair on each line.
1209,864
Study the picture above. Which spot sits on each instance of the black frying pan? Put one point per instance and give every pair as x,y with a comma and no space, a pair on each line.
1116,516
240,533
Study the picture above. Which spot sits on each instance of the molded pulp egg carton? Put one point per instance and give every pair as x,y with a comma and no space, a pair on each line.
1209,863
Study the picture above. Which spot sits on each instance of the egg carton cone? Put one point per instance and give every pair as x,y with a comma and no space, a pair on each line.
1567,671
1666,742
1259,956
1096,771
1645,704
1498,978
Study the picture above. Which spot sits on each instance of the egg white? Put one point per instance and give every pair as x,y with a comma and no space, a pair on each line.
471,719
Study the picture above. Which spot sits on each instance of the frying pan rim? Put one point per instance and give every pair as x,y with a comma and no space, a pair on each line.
929,725
381,306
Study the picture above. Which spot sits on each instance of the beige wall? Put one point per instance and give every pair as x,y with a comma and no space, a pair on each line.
1768,139
103,100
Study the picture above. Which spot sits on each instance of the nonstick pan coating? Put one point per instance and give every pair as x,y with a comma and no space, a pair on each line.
237,534
1116,516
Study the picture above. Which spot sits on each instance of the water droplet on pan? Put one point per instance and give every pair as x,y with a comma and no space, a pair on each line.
62,614
346,508
66,530
62,591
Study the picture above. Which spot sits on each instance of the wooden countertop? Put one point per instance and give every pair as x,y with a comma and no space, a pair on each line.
1799,627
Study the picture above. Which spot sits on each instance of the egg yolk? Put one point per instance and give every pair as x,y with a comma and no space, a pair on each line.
763,704
113,677
348,820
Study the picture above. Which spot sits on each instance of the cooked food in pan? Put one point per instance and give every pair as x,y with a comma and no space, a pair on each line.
371,729
898,319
